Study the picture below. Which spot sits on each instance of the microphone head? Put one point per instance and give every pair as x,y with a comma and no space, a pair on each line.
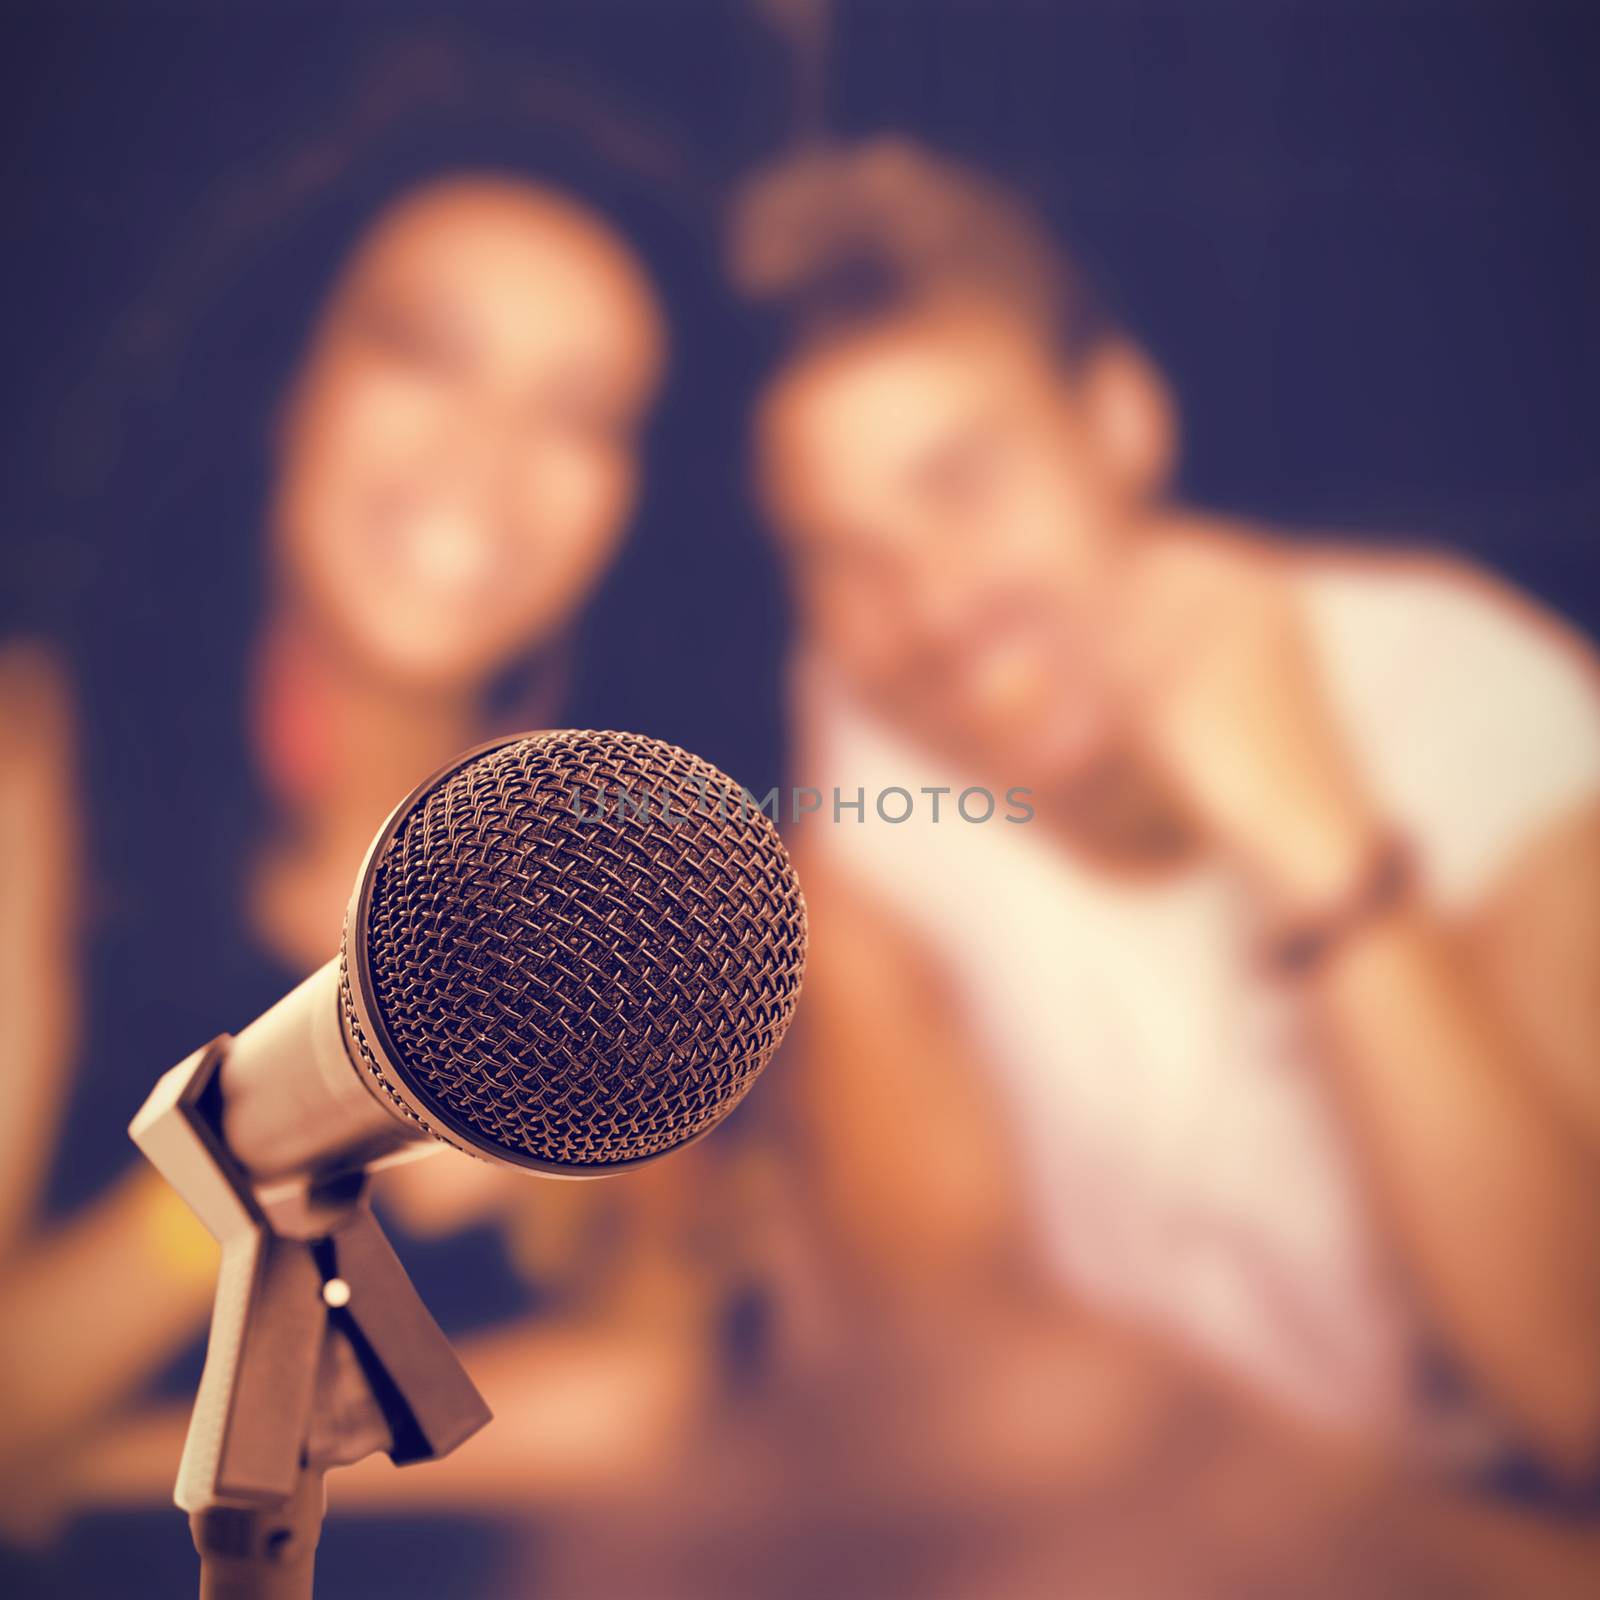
572,951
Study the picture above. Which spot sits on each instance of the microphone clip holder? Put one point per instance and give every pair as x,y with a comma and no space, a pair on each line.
321,1351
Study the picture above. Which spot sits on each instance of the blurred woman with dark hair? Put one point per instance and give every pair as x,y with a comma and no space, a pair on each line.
1285,996
445,450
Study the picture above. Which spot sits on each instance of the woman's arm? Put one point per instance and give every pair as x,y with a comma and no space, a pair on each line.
580,1408
93,1308
39,882
90,1308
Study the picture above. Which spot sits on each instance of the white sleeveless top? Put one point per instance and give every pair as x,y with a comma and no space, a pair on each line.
1183,1161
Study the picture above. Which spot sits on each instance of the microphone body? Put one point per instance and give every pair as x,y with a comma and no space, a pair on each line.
534,970
295,1103
570,952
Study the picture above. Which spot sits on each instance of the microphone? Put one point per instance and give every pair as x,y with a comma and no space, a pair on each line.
569,951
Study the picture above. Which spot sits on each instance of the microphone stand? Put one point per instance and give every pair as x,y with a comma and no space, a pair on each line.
321,1351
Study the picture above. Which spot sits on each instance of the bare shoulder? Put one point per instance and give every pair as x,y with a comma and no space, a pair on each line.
38,749
36,701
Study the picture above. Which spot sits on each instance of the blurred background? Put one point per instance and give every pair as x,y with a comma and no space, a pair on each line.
1356,243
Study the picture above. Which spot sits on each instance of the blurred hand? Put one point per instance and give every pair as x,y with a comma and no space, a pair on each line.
1230,706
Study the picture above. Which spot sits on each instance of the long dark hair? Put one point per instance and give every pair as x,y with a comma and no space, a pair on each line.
162,476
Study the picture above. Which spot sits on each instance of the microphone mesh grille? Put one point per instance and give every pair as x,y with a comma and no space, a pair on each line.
581,989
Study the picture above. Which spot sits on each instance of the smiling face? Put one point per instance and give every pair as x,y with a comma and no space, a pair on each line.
953,504
459,451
